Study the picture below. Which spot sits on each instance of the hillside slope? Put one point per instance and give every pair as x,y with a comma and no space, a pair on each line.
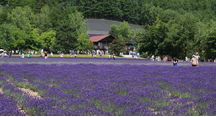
102,26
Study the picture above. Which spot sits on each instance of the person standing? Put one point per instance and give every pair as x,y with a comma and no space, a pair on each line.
152,58
45,54
114,57
51,54
175,61
194,61
23,55
61,54
71,53
75,54
9,54
29,55
197,58
186,59
109,56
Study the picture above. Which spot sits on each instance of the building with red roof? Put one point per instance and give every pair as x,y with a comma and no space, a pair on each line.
102,42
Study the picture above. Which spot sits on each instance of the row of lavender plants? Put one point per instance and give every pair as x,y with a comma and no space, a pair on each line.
126,90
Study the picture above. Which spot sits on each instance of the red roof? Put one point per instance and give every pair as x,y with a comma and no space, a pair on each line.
98,38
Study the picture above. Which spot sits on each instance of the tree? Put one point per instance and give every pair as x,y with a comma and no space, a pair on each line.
148,14
210,50
83,42
121,31
117,46
168,15
153,39
6,36
182,32
69,31
21,17
43,20
20,37
33,40
3,14
20,3
48,38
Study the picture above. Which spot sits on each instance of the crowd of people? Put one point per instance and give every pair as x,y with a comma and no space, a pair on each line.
194,59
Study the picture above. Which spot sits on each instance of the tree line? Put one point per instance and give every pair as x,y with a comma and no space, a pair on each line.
176,28
22,28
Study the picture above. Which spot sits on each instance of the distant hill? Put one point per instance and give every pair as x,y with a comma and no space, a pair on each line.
102,26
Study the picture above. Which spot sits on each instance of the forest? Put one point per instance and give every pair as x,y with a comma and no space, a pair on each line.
176,28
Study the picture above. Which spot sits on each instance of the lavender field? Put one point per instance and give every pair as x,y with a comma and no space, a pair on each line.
35,87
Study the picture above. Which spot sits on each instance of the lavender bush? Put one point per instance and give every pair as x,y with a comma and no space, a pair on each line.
109,89
8,107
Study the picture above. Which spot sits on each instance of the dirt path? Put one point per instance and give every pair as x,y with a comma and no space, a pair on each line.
30,92
1,91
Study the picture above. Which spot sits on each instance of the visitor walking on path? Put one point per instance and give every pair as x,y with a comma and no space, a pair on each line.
194,61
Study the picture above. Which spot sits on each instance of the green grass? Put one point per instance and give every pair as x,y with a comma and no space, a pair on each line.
176,93
69,91
41,92
97,103
22,84
180,94
120,110
185,95
144,99
31,111
109,108
6,91
121,91
204,104
161,103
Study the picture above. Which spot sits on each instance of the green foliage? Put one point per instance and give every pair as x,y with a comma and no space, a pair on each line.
145,99
21,17
83,42
121,31
42,19
162,103
185,26
210,49
48,38
22,84
154,39
69,31
20,38
6,36
144,55
69,91
117,46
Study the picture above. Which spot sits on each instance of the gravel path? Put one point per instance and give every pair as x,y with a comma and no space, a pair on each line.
72,60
